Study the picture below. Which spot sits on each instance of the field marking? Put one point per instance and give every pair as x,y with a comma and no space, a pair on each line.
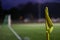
9,26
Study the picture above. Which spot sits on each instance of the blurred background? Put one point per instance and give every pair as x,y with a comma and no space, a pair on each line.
29,10
28,19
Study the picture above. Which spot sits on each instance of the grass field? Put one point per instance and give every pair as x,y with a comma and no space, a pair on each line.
34,31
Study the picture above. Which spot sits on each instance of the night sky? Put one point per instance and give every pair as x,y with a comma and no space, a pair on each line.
7,4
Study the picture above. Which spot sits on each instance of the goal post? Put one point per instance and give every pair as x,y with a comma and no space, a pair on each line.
12,30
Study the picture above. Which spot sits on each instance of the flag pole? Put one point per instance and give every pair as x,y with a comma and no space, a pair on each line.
47,32
48,36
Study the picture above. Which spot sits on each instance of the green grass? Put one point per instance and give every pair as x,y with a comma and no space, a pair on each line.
33,31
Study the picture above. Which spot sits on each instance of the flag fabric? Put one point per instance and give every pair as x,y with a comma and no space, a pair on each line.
49,24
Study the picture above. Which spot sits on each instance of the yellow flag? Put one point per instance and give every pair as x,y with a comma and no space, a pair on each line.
49,24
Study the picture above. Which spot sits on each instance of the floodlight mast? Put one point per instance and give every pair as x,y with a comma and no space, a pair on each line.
12,30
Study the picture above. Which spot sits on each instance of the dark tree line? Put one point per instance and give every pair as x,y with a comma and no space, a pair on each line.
31,9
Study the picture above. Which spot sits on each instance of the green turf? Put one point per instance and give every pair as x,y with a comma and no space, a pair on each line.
33,31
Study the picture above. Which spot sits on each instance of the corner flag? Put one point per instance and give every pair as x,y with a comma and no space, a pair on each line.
49,24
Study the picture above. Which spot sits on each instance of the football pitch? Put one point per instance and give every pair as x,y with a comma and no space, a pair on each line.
35,31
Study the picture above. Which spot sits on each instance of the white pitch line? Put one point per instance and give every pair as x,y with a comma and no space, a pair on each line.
9,26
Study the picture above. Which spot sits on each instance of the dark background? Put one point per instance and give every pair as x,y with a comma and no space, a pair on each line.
30,10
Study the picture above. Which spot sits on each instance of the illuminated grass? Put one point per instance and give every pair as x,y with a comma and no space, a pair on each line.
33,31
